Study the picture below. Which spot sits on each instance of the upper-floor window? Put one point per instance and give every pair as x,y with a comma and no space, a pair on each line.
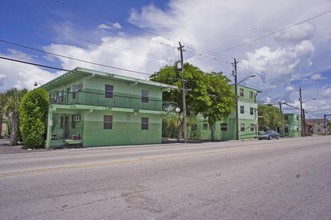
251,111
251,95
242,109
144,95
109,91
61,96
224,126
241,92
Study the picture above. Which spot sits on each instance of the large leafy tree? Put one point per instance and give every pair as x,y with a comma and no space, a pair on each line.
270,117
33,117
209,94
219,101
11,104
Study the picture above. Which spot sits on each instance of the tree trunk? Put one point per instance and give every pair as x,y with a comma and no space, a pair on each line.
179,133
14,119
212,130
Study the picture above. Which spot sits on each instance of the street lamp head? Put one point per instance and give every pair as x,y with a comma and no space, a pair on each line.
179,65
36,83
253,75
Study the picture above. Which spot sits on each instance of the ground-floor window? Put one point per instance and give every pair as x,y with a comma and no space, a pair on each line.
286,130
224,126
252,127
205,126
144,123
107,122
242,126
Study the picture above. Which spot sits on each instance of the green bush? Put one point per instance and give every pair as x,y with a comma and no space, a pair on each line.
33,118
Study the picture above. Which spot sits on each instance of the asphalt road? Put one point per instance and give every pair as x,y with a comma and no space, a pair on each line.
278,179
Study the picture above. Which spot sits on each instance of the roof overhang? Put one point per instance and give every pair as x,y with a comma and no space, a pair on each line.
80,73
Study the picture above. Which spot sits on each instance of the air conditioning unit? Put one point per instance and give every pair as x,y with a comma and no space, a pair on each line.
76,118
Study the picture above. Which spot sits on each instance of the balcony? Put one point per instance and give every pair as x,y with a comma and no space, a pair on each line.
117,101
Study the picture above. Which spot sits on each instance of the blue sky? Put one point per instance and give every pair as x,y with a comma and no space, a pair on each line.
292,50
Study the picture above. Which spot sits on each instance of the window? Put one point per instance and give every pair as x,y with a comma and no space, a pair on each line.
241,92
251,94
242,126
286,129
224,126
144,123
107,122
242,109
251,111
75,89
205,126
252,127
109,89
61,96
144,95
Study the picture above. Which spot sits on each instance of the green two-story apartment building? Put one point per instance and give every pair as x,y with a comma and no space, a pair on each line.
292,125
94,108
247,118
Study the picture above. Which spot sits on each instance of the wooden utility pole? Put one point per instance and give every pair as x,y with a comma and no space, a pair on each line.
184,91
236,94
301,113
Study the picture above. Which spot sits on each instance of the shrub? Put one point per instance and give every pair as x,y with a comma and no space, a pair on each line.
33,118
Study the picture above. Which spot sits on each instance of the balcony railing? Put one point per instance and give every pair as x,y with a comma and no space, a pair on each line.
100,99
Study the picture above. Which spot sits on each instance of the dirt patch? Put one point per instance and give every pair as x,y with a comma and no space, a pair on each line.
5,148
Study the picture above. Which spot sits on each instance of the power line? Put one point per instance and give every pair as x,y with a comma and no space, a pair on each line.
72,58
275,32
34,64
208,52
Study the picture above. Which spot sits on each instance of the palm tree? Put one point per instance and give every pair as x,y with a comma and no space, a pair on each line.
11,105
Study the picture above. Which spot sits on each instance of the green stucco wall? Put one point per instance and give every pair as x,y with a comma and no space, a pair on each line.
126,129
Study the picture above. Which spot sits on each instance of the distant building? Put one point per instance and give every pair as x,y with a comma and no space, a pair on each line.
292,125
316,127
94,108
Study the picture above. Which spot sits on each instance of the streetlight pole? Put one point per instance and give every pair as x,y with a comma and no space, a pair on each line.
303,123
236,94
236,83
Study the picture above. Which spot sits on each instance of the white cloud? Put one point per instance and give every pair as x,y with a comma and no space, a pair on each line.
316,76
104,26
115,25
19,75
296,33
289,88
